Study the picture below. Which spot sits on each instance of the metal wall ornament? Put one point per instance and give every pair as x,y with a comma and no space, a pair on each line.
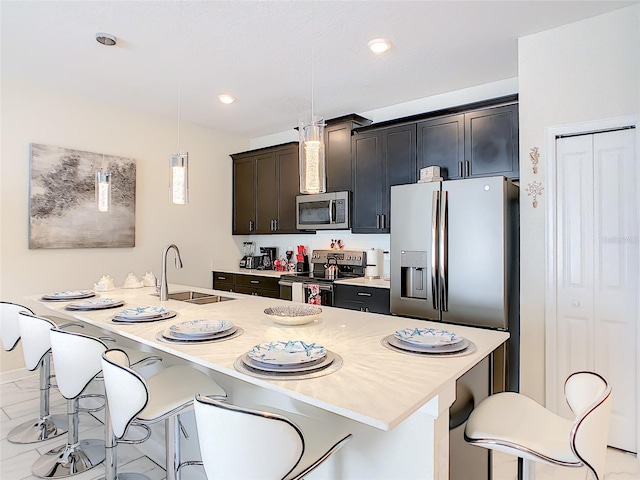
535,189
534,156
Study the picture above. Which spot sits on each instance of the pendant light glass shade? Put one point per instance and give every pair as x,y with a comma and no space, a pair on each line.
179,182
103,190
313,176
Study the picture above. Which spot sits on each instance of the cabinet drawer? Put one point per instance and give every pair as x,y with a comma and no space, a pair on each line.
258,282
223,281
367,299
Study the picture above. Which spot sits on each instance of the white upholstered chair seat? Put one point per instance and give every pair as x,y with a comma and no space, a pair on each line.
174,387
516,422
513,423
161,397
283,445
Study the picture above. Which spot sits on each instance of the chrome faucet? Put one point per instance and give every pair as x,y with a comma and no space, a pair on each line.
164,285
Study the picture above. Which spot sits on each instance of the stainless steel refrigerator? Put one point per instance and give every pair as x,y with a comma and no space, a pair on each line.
454,259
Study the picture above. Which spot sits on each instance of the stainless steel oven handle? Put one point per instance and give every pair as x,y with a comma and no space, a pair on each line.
321,286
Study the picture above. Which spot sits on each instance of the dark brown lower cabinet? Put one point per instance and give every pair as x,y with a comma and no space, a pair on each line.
364,299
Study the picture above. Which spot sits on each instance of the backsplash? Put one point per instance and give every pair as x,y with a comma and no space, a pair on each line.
319,241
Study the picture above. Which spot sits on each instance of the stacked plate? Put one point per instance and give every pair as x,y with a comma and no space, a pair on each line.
96,304
202,330
143,314
291,356
427,340
67,295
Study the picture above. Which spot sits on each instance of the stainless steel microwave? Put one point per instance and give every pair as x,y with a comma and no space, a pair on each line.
323,211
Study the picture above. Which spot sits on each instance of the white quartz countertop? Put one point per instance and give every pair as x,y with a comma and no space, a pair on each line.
252,271
366,282
375,386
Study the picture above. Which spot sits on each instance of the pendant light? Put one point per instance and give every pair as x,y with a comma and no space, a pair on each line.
179,175
313,175
103,188
179,179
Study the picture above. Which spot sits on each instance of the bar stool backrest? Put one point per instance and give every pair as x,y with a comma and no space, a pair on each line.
127,393
77,360
589,397
36,339
9,325
225,431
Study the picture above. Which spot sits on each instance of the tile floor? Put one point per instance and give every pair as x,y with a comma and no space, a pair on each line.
19,401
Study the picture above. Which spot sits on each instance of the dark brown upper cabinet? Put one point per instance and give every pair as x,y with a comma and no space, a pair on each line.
480,143
337,138
265,185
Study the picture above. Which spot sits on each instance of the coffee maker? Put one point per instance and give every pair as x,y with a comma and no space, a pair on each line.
249,249
267,256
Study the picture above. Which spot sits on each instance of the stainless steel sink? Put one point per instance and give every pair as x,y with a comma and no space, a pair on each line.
197,297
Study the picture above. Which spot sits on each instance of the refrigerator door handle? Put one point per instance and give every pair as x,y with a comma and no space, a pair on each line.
443,250
435,202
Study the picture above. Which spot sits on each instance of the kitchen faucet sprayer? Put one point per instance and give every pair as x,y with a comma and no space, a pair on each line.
164,284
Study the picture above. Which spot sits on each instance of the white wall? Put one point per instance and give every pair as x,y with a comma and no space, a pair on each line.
579,72
201,229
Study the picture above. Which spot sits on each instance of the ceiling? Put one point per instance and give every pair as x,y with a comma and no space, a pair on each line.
269,53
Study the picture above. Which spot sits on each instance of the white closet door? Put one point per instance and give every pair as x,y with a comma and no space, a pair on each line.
598,269
616,277
575,276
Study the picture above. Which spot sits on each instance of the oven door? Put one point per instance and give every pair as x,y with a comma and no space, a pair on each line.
323,295
285,289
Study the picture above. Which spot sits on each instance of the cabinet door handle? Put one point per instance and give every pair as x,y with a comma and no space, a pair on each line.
460,169
222,278
364,294
255,281
251,225
383,223
378,222
467,168
275,225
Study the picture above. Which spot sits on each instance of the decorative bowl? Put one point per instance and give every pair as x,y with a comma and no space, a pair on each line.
293,314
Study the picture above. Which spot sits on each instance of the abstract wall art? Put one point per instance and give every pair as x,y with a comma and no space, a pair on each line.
62,203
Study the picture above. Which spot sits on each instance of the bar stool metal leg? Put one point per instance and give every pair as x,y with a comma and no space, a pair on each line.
45,426
110,463
74,457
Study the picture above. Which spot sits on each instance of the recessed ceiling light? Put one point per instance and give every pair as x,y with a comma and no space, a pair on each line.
226,99
106,39
379,45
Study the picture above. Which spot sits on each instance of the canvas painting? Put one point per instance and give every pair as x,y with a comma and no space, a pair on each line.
62,200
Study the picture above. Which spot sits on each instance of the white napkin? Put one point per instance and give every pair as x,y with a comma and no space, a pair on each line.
297,292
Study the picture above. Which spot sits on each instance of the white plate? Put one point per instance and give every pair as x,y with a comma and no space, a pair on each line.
463,344
427,337
293,314
318,364
137,313
97,304
165,316
69,295
169,335
291,352
200,328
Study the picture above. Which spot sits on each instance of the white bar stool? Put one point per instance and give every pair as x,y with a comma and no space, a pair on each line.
46,426
283,445
515,424
77,362
132,399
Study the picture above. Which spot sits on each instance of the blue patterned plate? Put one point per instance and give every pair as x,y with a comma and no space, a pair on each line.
291,352
69,295
137,313
427,337
97,304
200,328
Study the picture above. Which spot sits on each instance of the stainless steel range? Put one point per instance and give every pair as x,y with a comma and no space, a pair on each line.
326,266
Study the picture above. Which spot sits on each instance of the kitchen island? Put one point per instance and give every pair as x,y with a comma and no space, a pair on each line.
395,404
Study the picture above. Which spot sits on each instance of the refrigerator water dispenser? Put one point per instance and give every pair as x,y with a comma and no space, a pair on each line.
413,266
